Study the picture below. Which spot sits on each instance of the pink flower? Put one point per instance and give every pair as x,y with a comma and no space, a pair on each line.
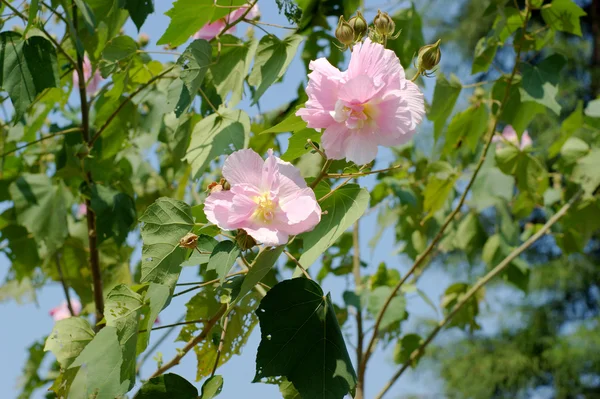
93,84
211,30
81,210
62,311
368,105
509,134
268,199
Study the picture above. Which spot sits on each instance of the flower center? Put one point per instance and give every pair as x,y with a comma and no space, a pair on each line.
265,211
353,115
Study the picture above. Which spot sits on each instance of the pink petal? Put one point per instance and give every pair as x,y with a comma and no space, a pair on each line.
333,140
359,90
361,147
62,311
243,204
373,60
394,120
268,235
526,140
211,30
308,224
217,208
270,173
243,166
415,102
299,206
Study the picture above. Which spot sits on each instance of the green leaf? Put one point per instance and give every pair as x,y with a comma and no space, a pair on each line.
122,309
563,15
466,127
117,49
593,109
440,184
394,313
507,158
165,222
167,386
205,246
223,258
273,56
212,387
287,390
587,171
408,22
485,52
99,366
139,10
87,14
405,346
115,213
28,67
187,17
573,149
30,380
344,207
304,345
290,124
298,144
215,135
516,112
229,74
156,298
194,63
33,11
465,317
540,82
68,338
568,127
444,98
41,207
261,266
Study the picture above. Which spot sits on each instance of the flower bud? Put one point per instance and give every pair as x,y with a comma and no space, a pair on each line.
384,24
190,241
244,241
359,25
215,187
344,32
143,39
429,56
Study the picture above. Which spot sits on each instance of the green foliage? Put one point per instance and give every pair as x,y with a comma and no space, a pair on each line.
563,15
293,345
212,387
223,257
540,82
444,98
168,386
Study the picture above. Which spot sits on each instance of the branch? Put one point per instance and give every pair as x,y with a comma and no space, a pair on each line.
64,284
205,283
179,323
191,343
230,25
360,174
321,174
156,345
66,131
483,281
302,268
220,348
421,258
124,103
360,387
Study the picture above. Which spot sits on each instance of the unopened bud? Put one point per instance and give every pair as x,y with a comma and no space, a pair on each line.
359,24
384,24
429,56
244,241
222,185
190,241
344,32
143,39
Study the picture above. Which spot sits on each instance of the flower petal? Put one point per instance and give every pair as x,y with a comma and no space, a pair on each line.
333,140
243,167
267,235
361,147
359,90
217,208
373,60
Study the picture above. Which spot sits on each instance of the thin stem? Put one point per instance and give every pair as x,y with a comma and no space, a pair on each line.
208,326
424,255
49,136
483,281
90,216
360,174
316,148
159,52
302,268
322,174
55,12
179,323
210,104
329,194
250,21
156,345
230,25
64,284
205,283
124,103
360,387
477,84
220,348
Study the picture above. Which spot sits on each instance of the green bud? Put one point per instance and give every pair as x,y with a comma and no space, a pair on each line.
344,32
429,56
384,24
359,24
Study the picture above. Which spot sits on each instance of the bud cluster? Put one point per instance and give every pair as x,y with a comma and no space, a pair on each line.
351,31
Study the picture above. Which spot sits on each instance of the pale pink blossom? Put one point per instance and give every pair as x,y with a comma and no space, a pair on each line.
268,199
370,104
62,311
92,79
81,210
211,30
509,134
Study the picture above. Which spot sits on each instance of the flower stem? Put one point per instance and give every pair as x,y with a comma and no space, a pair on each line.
322,174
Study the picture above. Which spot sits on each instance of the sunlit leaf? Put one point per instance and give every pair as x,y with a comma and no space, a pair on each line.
167,386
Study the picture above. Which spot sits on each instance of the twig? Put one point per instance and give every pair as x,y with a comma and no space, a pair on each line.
179,323
329,194
250,21
360,387
149,352
293,259
122,105
64,284
205,283
55,12
421,258
220,348
483,281
230,25
322,173
49,136
191,343
360,174
210,104
316,148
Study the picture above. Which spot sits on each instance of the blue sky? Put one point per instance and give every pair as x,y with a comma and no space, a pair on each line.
31,322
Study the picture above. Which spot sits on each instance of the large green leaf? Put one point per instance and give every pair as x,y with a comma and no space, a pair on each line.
302,341
444,98
68,338
343,207
298,144
156,298
212,387
540,82
167,386
99,368
139,10
165,222
587,171
408,22
28,67
273,57
516,111
115,213
223,258
563,15
187,17
30,380
439,185
42,208
290,124
122,309
194,63
215,135
467,127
